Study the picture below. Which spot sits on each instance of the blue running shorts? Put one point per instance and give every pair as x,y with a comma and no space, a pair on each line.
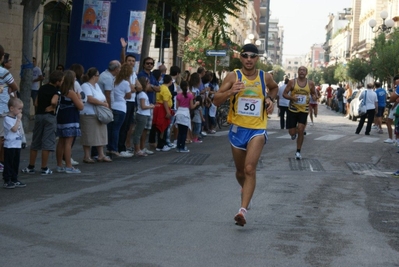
239,136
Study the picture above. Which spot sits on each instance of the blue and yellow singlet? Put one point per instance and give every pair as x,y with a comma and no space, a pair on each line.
248,106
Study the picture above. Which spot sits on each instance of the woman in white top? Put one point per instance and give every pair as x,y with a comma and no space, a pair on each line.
94,133
371,101
122,91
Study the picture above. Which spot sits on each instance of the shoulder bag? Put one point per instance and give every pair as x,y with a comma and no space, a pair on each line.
362,106
103,114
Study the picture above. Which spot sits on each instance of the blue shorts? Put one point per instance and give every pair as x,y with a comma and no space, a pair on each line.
240,137
380,112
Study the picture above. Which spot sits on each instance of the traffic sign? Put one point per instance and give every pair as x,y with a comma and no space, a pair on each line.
216,53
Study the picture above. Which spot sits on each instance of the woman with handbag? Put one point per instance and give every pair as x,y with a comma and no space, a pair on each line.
94,132
370,100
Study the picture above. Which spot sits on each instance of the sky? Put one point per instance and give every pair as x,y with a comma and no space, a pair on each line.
304,22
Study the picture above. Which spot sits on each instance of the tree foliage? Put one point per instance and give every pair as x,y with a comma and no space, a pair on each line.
384,56
315,75
340,73
358,69
328,74
210,14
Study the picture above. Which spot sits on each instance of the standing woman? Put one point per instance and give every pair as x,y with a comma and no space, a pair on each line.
183,120
347,98
94,133
122,91
68,127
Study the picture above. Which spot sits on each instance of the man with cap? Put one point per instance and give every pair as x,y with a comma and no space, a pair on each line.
251,93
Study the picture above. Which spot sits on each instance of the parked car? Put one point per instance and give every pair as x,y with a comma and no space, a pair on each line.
324,86
354,105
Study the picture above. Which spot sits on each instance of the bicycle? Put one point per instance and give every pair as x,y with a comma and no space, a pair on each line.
221,114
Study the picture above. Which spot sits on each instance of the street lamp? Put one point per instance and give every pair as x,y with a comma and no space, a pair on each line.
386,25
250,40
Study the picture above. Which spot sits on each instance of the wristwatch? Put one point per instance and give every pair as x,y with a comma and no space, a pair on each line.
270,98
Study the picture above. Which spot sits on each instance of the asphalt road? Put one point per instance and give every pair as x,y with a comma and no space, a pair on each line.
339,206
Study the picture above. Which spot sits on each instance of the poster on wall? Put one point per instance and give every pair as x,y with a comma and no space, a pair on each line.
135,32
95,21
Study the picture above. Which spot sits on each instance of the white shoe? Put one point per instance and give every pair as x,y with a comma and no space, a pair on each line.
125,154
389,141
311,123
73,162
147,151
298,156
204,133
164,149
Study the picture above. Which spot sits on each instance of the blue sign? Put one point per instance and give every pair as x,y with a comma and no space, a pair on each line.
216,53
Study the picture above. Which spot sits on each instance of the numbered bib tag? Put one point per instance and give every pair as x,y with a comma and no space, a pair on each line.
249,106
301,99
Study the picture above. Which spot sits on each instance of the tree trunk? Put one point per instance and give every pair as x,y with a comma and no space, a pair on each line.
145,49
175,37
30,10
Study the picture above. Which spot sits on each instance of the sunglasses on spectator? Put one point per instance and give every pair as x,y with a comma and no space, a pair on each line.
149,63
246,55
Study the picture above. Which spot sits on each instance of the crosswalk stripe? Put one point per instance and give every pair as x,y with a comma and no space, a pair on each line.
330,137
366,140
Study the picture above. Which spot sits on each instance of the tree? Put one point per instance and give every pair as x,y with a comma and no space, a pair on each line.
328,74
210,14
30,9
358,69
315,75
384,56
340,73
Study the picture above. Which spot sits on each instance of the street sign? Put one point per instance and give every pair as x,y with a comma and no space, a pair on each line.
216,53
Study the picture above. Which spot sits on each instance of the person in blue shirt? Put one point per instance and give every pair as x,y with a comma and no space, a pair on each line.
382,99
151,89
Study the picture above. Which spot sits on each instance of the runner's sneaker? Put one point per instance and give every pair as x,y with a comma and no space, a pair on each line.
19,184
311,123
28,170
389,141
298,156
147,151
240,217
293,137
46,171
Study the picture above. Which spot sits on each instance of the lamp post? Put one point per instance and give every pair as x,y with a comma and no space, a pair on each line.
250,40
386,25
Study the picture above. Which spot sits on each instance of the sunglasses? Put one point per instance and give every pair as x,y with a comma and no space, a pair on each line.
149,63
246,55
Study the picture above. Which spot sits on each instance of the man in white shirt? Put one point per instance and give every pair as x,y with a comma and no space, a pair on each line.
37,78
106,79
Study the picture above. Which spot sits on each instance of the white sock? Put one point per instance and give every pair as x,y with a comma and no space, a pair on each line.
243,210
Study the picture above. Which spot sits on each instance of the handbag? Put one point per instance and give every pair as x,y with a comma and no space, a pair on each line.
104,114
362,106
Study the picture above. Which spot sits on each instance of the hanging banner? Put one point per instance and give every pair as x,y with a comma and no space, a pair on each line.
135,32
95,21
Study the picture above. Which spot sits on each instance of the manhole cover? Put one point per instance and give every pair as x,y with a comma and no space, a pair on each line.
190,159
312,165
365,169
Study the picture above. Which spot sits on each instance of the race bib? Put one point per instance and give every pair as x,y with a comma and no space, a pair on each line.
301,99
249,106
